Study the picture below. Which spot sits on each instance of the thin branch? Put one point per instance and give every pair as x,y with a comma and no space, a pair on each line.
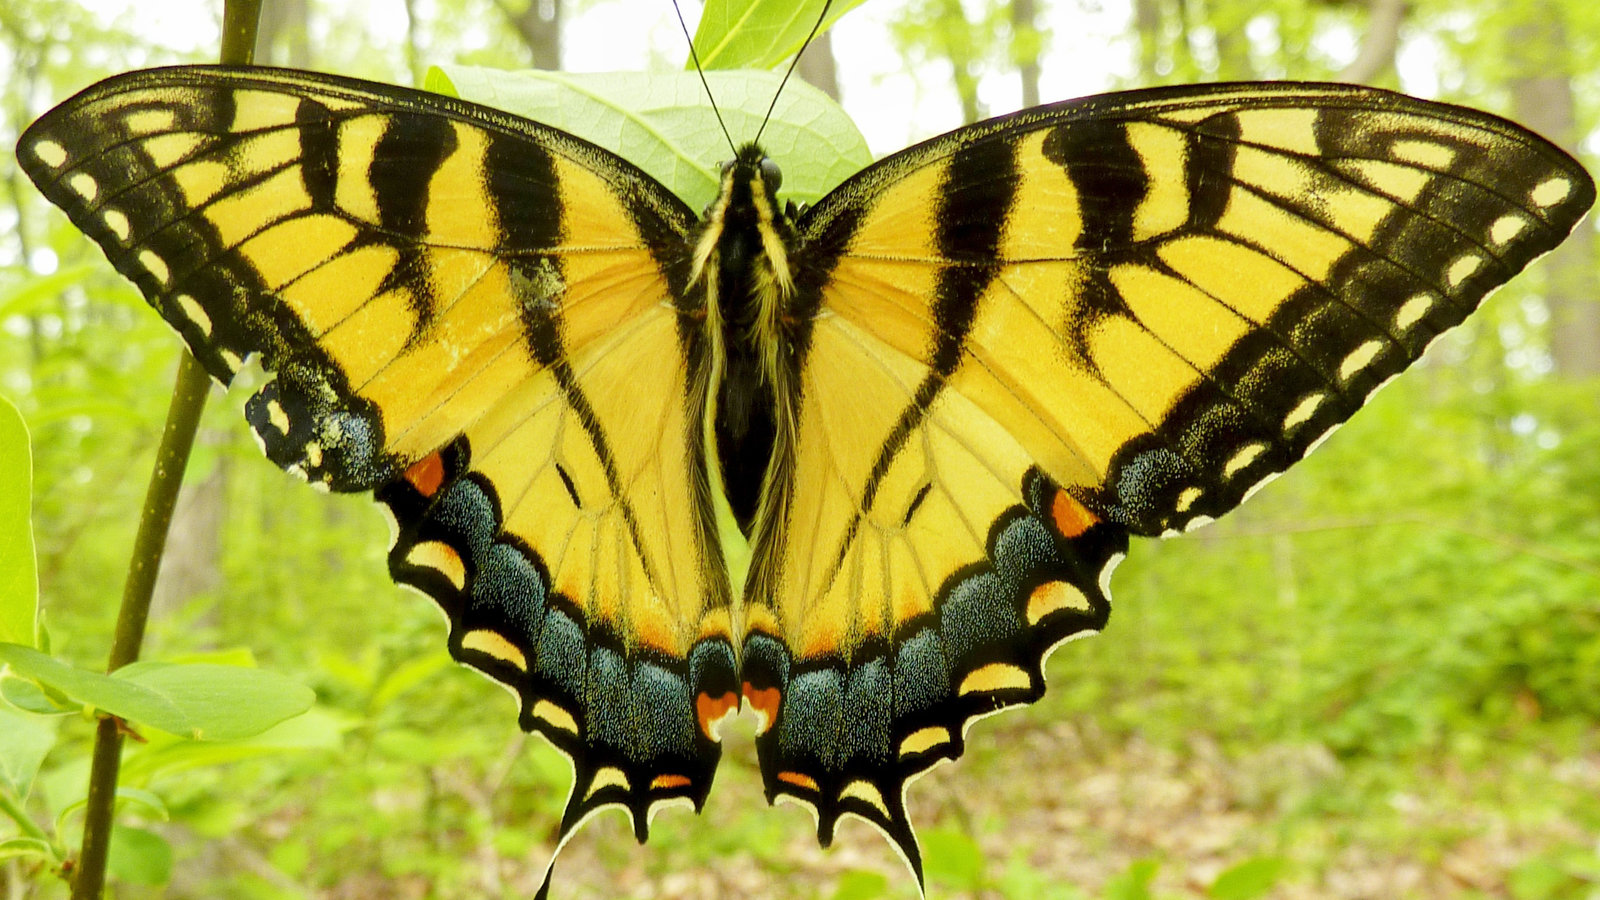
239,20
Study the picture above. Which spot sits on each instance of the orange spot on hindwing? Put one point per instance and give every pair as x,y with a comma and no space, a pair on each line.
765,702
711,711
427,474
799,780
670,781
1070,518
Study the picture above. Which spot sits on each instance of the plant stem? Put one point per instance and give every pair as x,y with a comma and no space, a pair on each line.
239,20
19,815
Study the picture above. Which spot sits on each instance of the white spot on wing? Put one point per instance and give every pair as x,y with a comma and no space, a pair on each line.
117,222
1506,227
1303,410
1246,455
50,153
1359,359
1462,269
155,265
1551,192
1412,311
1105,573
1251,491
84,185
194,313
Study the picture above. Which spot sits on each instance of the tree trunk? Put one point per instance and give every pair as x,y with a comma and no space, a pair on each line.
1375,59
1541,98
539,25
1026,43
818,66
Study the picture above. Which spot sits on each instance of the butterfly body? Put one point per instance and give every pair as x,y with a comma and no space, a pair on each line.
939,401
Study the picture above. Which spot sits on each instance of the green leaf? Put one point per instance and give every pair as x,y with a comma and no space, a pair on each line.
953,858
139,857
19,577
30,696
25,846
24,742
858,884
661,122
222,703
1248,880
758,34
1134,882
203,702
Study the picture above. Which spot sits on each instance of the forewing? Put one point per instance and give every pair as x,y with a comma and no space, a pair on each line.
1028,339
476,318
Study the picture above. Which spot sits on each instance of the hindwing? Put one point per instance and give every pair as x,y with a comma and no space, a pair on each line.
1021,342
458,307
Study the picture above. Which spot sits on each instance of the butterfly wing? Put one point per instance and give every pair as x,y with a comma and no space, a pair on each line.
472,316
1026,340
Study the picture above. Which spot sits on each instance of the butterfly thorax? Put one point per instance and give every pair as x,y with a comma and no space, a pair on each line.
742,260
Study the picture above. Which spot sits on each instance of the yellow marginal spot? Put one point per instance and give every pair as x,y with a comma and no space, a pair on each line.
313,452
166,150
257,110
1052,596
242,214
1303,410
1412,311
799,780
117,222
231,360
149,121
1506,227
441,558
200,180
1462,269
290,248
195,313
1294,130
459,212
328,294
1298,242
1246,455
1148,375
358,142
1165,206
866,792
495,644
548,712
1551,192
1427,154
1185,319
84,185
278,418
607,777
1252,285
155,265
1359,359
924,739
50,153
1403,183
995,677
1187,498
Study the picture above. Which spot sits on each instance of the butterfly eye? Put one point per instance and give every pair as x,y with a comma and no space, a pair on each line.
726,167
771,175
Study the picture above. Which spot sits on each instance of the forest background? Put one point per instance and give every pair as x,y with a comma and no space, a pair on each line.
1379,679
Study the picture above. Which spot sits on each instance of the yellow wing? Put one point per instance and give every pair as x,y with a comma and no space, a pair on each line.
1023,341
474,317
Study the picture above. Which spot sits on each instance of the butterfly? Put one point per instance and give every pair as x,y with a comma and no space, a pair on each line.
938,402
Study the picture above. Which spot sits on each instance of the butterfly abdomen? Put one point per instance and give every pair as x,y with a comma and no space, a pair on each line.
742,257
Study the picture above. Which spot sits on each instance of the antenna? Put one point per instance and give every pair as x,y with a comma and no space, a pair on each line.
702,73
826,4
